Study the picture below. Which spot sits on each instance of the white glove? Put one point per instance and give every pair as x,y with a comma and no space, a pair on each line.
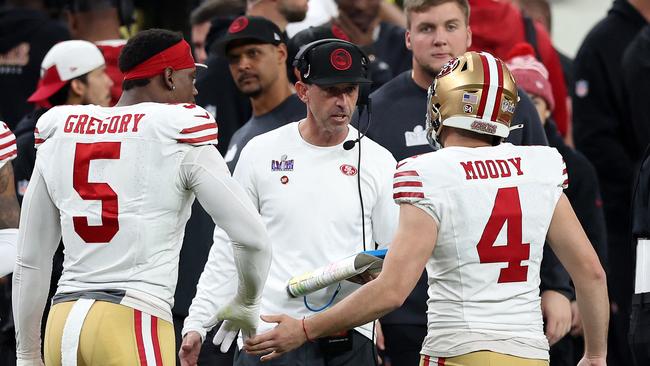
236,316
33,362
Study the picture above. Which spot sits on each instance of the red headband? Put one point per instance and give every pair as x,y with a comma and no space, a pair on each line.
178,57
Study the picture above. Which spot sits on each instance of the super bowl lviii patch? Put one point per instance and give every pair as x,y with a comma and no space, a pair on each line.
282,165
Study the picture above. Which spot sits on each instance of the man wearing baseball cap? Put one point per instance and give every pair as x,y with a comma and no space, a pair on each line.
73,72
257,54
280,170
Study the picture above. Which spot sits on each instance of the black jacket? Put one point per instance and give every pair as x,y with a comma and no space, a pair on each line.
29,33
603,132
583,191
24,162
636,80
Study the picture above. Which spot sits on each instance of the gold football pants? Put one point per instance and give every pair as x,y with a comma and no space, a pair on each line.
112,334
481,358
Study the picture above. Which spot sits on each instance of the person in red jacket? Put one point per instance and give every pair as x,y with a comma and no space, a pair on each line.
488,20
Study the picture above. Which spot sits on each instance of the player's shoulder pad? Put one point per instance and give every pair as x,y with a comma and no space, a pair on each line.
550,165
48,123
408,184
190,124
8,149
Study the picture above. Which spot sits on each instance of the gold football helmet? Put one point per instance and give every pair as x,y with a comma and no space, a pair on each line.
475,92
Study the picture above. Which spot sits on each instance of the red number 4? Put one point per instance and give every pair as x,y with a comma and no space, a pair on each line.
507,208
84,153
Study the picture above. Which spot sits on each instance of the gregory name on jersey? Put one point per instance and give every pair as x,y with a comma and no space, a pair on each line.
90,125
484,169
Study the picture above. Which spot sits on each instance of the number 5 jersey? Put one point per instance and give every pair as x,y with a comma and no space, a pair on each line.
117,177
493,207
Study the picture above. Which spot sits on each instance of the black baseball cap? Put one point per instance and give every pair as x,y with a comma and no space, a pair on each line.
333,61
252,29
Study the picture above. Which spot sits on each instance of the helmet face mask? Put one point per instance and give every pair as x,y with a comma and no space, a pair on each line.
433,123
474,92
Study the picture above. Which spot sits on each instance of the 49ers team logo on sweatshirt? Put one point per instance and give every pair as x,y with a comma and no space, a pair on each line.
348,170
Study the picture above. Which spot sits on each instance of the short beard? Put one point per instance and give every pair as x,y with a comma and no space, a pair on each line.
291,14
428,69
253,93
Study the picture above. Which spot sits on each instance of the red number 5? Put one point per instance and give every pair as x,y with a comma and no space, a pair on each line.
507,207
84,153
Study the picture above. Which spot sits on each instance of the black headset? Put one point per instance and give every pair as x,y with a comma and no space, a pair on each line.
125,9
301,62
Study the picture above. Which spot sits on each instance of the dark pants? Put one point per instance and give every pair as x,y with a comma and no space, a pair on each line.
562,353
312,354
639,336
403,343
210,354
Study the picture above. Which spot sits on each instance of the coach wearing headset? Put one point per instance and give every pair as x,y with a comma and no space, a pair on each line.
306,181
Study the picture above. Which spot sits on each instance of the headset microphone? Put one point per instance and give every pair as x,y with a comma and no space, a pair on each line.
349,144
367,103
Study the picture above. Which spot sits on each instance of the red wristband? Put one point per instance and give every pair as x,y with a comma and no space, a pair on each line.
305,330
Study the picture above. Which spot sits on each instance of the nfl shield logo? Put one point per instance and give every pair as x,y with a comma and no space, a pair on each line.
21,187
582,88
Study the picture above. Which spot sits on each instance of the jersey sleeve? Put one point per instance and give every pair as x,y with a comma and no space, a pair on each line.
565,176
38,237
8,149
45,126
410,187
193,125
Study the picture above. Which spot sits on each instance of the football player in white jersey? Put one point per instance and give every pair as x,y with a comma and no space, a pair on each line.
9,210
117,184
476,213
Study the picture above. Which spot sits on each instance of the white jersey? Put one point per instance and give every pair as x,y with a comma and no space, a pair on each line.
493,206
8,150
7,235
109,173
309,200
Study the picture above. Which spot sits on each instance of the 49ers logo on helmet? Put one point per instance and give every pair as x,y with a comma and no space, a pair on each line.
341,59
238,25
450,66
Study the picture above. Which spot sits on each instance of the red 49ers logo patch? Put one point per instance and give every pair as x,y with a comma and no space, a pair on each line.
238,25
450,66
341,59
348,170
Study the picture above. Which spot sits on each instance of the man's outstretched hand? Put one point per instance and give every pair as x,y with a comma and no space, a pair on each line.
190,349
287,335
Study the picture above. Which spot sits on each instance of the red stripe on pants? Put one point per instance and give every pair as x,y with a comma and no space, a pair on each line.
138,337
426,361
156,343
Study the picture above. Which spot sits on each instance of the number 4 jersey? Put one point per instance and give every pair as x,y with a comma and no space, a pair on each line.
115,176
493,206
